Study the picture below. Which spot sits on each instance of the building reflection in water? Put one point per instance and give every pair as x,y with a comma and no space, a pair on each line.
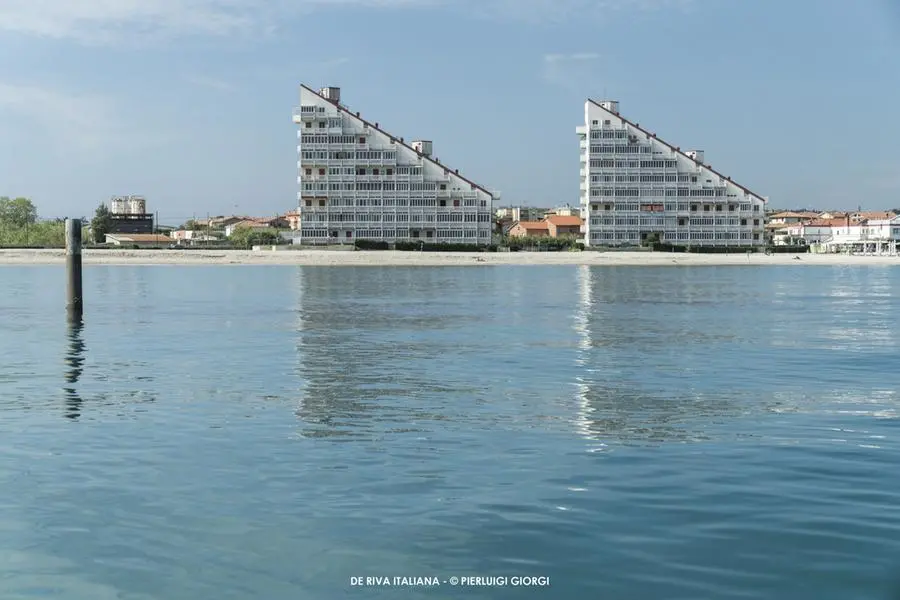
74,360
635,384
384,351
338,372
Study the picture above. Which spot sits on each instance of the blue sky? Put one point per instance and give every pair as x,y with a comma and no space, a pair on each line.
189,101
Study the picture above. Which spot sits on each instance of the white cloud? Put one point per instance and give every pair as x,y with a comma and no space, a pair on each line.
81,125
102,21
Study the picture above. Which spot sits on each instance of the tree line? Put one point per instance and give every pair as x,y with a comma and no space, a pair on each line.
19,225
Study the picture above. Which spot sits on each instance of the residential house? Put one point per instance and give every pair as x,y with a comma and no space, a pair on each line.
564,225
530,229
521,213
551,226
193,237
254,224
859,217
878,236
564,211
791,217
293,220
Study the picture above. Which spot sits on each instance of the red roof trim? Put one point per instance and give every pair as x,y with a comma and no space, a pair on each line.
397,140
671,147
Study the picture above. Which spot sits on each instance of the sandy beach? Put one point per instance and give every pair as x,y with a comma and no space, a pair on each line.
390,258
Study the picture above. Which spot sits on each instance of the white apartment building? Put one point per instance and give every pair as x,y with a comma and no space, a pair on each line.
358,181
635,185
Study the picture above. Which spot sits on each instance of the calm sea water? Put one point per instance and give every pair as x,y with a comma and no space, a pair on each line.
630,433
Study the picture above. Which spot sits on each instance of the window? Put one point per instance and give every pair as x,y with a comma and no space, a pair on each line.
443,186
309,171
349,234
360,171
362,140
308,125
321,203
374,171
309,203
443,203
321,124
390,171
456,202
321,171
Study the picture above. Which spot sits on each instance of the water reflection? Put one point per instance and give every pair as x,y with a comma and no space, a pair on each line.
383,351
645,339
74,360
350,363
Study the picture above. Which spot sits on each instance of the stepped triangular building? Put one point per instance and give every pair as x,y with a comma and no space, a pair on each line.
636,187
357,181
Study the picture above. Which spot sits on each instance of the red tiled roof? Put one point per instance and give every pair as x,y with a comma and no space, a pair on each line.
789,214
396,140
878,214
533,225
837,222
565,221
671,147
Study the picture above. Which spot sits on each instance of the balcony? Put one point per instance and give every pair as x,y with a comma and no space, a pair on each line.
305,113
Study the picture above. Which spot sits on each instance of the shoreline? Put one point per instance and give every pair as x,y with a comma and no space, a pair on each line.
26,257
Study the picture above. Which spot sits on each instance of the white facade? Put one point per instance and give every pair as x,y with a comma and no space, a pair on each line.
230,229
875,230
812,233
359,182
634,185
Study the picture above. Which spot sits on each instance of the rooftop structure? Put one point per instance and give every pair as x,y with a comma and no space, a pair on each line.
357,181
634,185
128,214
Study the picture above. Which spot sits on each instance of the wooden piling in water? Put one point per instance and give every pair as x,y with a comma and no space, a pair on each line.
74,298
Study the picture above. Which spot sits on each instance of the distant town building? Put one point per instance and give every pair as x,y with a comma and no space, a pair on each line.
634,185
128,214
790,217
357,181
521,213
565,211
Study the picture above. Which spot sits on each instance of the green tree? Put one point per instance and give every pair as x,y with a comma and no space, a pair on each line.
245,237
18,212
101,224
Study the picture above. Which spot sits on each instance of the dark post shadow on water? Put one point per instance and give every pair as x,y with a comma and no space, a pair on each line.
75,366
